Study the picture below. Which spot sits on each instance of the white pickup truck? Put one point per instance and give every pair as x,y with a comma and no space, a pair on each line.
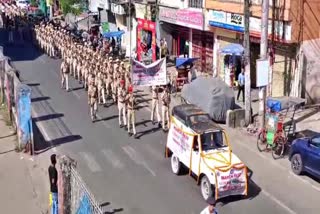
198,144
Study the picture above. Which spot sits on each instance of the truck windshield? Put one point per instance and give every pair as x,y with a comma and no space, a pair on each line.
212,140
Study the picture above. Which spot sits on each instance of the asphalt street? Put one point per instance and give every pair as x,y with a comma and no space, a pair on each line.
131,175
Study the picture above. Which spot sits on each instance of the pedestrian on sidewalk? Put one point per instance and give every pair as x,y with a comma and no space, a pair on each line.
53,178
241,82
211,208
155,105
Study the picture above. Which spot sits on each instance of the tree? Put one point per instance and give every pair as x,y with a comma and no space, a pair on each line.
71,6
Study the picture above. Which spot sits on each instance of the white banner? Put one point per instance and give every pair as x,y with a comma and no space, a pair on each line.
231,182
149,75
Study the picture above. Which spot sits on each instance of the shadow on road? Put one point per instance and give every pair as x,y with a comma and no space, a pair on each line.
113,210
41,145
38,99
107,118
47,117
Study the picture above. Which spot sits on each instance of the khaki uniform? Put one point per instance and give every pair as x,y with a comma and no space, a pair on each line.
64,75
122,106
155,104
92,101
165,98
131,103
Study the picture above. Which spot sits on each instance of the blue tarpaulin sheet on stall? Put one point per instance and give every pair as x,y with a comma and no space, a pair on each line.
24,113
232,49
113,34
184,61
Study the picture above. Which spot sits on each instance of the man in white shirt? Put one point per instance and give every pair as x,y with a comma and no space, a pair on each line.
211,208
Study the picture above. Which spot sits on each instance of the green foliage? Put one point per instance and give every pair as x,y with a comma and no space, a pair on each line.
33,3
71,6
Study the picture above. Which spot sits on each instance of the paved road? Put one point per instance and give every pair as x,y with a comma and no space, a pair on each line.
132,175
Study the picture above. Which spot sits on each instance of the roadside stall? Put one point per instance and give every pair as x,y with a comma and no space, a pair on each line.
232,54
116,50
197,143
180,77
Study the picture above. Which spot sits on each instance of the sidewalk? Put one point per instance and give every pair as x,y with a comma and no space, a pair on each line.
22,184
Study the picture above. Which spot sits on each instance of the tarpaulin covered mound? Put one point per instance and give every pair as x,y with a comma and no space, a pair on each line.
212,95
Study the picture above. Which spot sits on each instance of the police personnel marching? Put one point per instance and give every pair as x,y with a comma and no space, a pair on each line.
104,77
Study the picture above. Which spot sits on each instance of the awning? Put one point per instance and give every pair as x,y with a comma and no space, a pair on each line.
184,61
113,34
232,49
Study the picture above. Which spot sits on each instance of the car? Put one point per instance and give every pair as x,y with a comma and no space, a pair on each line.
23,4
199,145
305,156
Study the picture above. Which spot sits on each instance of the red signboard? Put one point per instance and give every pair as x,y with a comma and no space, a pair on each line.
142,47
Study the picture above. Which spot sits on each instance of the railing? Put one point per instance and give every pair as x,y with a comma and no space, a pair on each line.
195,3
74,196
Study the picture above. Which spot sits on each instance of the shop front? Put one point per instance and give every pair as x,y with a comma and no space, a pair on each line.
146,40
184,32
229,28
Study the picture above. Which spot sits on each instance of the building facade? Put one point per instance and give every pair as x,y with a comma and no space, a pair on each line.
181,24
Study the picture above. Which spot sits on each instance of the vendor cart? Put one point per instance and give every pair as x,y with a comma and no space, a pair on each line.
180,77
280,123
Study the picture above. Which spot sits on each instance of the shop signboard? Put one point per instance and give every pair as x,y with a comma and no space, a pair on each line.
184,17
230,21
149,75
235,22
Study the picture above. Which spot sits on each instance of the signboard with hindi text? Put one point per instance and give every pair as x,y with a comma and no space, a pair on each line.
149,75
231,182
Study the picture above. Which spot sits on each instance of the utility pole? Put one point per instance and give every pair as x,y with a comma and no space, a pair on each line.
263,56
246,45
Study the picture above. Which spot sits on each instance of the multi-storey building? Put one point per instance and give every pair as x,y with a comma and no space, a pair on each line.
293,27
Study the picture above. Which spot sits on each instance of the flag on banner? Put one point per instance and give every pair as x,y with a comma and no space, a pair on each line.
149,75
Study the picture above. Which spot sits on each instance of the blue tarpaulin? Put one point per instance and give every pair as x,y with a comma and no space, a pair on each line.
232,49
84,206
184,61
113,34
24,113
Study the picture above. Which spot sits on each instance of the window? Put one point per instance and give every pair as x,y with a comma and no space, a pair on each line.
212,140
195,3
316,142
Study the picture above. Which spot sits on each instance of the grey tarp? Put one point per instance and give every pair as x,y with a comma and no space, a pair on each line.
212,95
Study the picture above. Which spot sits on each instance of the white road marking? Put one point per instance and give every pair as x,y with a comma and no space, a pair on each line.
76,94
278,202
305,181
104,122
43,131
91,162
113,159
280,166
133,155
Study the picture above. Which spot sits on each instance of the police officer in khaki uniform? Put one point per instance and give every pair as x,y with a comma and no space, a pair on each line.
166,99
155,105
131,104
92,100
64,71
122,95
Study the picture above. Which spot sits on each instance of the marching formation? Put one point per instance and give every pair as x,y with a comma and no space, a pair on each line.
102,76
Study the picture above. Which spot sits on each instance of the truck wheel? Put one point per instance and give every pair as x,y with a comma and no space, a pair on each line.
206,188
175,164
